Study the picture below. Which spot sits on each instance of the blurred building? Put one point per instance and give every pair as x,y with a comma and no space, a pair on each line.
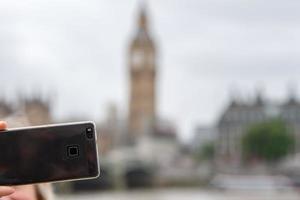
148,145
203,135
290,113
32,110
142,72
159,147
152,137
112,131
239,115
37,110
6,109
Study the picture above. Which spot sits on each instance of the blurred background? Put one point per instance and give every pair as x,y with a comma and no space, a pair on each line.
193,99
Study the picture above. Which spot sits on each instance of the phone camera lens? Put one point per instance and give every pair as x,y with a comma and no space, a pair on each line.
73,151
89,133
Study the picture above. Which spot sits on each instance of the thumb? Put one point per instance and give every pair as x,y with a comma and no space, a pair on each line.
3,125
5,190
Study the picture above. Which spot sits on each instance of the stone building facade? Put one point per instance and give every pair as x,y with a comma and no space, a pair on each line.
239,115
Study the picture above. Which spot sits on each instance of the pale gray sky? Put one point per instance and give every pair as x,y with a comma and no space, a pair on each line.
77,49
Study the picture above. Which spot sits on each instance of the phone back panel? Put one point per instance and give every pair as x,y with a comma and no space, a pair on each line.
49,153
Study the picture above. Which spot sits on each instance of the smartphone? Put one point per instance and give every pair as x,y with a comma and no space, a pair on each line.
48,153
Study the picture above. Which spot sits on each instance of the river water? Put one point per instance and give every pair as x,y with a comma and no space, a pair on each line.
184,194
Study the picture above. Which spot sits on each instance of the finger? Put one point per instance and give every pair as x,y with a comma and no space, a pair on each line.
3,125
5,190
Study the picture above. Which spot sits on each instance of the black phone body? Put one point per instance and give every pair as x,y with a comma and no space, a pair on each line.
48,153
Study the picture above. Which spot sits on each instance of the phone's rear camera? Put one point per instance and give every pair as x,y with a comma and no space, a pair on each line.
73,151
89,133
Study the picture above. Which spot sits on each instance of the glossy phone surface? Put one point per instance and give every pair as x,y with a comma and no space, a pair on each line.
48,153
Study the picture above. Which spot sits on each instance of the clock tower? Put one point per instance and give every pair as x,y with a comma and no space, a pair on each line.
142,75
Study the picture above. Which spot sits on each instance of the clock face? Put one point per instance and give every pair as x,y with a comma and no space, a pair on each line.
138,58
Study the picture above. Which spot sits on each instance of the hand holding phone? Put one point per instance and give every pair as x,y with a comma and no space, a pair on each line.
48,153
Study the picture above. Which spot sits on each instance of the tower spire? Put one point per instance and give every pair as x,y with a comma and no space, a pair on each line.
259,101
292,94
142,20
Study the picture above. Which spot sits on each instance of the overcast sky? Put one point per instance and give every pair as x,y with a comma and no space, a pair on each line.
76,51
